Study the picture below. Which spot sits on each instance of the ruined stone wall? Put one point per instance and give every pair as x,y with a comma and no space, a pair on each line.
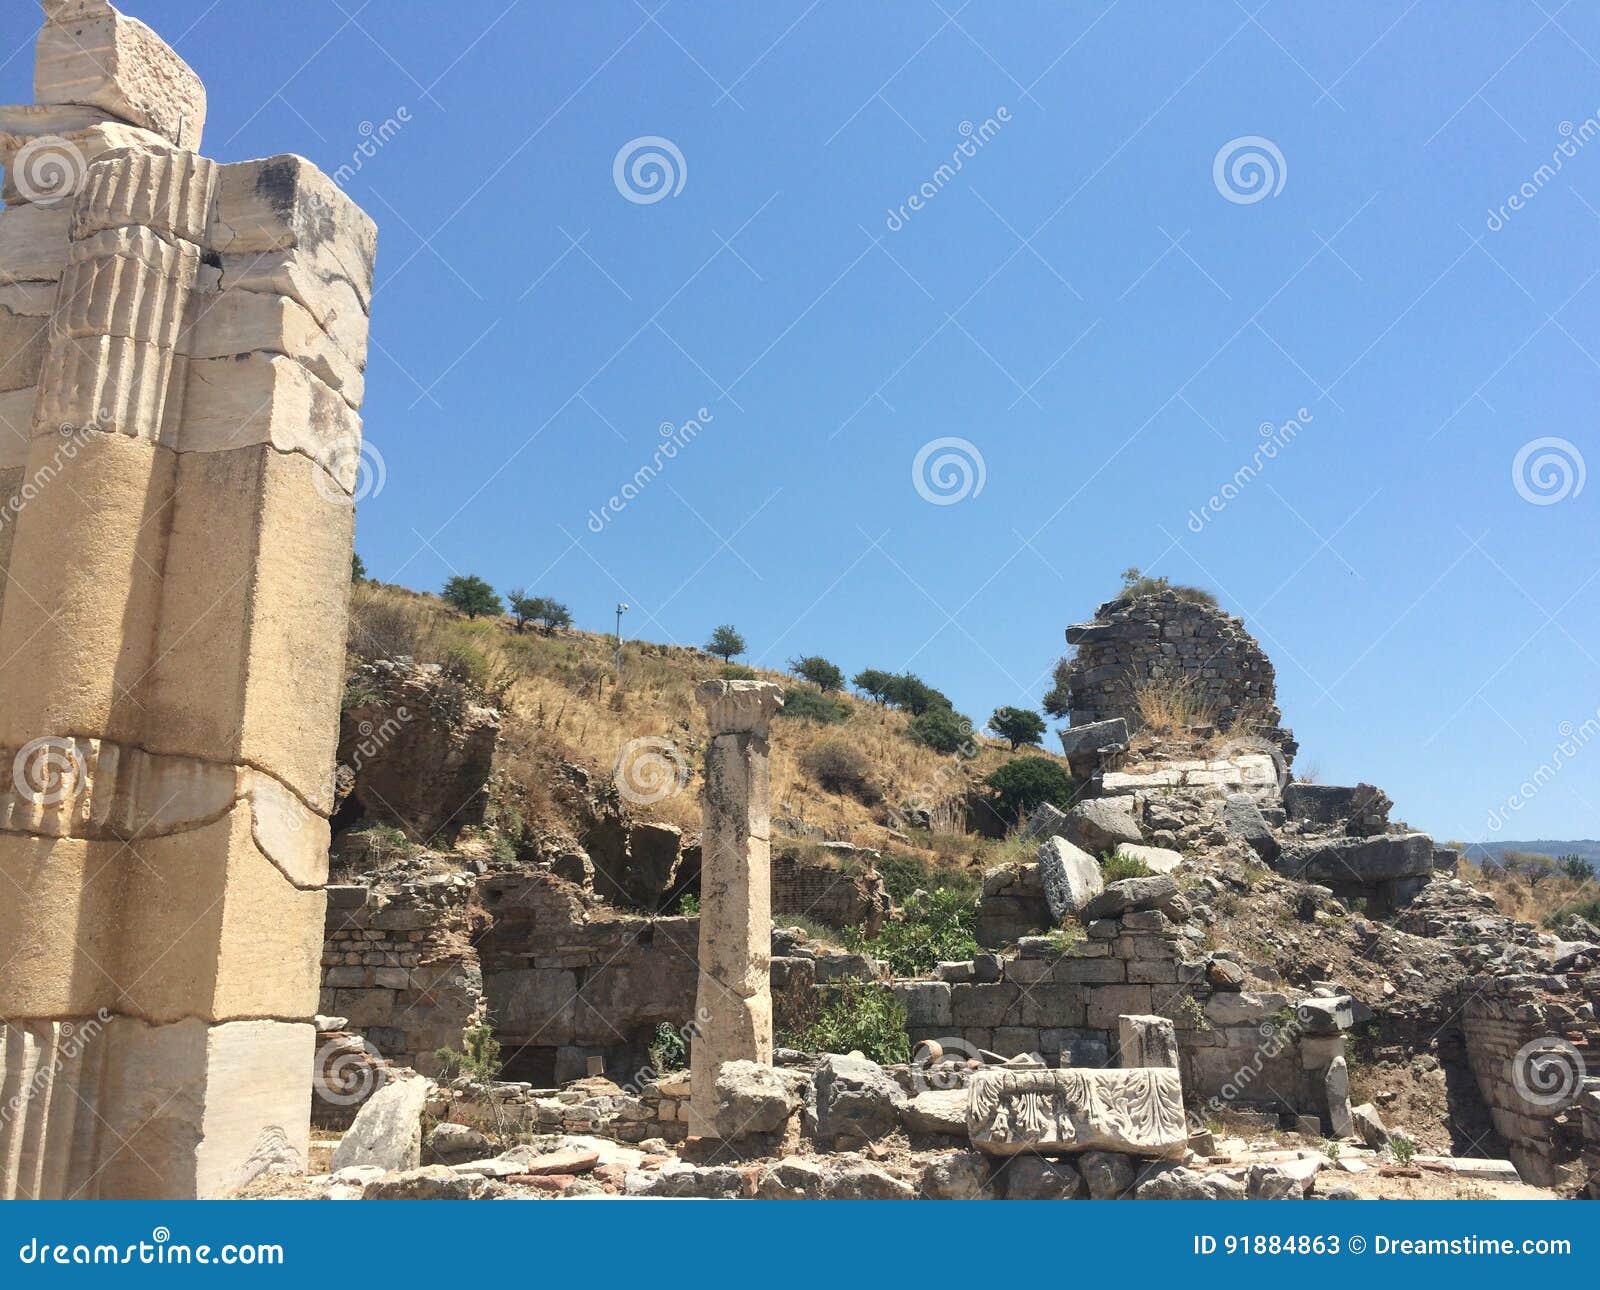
1590,1110
1525,1043
1160,637
398,967
821,889
1064,1004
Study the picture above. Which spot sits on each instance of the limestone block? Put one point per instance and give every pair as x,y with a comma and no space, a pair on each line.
266,398
387,1130
169,192
267,603
328,298
24,340
91,55
230,324
1102,824
192,924
47,151
1137,1112
79,634
1158,860
33,243
1146,1041
286,204
1071,877
16,423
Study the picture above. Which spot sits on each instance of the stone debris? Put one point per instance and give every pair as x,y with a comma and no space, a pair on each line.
1071,877
387,1131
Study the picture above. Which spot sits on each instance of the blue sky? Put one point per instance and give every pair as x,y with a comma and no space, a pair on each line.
1101,315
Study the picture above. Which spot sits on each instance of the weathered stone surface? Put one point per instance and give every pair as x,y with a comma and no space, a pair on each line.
867,1182
93,56
1102,824
1369,1126
856,1100
430,1182
1242,817
1035,1178
1342,862
1130,893
735,994
1244,1008
450,1144
1071,877
1093,736
681,1181
792,1178
1179,1183
752,1098
1046,821
938,1111
387,1130
961,1175
1146,1041
1107,1174
1138,1112
1158,860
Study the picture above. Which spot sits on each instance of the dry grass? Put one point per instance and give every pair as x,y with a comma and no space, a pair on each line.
1170,705
564,700
1528,902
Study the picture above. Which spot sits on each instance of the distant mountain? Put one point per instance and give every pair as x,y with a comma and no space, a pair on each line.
1588,848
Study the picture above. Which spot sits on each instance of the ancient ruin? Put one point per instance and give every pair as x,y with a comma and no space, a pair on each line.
183,343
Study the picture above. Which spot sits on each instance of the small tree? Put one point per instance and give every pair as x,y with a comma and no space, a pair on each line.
471,595
1136,583
1024,783
522,606
873,682
942,729
910,693
725,642
358,568
1017,726
816,669
1057,701
1575,866
550,614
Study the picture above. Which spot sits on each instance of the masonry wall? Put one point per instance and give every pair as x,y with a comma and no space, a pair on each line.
821,889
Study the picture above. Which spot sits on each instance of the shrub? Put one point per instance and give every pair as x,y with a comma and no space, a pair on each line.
725,642
903,874
548,613
1121,865
1136,584
912,694
669,1051
862,1015
1024,783
806,704
840,767
874,683
1017,726
938,929
816,669
358,568
471,595
1403,1149
940,729
738,672
1575,866
1055,700
479,1057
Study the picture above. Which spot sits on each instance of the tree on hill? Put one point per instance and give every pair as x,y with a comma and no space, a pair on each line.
816,669
1017,726
358,568
521,605
550,614
1575,866
471,595
1532,869
1056,702
873,682
942,729
910,693
725,642
1023,783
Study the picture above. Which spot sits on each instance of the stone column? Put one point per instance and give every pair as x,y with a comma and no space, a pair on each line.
734,1001
181,348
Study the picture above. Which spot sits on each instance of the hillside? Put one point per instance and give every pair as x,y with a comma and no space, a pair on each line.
562,700
1496,852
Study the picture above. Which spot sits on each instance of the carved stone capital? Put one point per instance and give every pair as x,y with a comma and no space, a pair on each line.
739,707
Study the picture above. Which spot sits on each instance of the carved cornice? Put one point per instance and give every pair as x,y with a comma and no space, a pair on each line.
739,707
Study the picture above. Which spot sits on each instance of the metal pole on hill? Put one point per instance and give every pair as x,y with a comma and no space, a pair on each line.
621,609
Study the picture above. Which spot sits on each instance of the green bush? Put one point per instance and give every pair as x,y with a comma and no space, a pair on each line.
1121,865
1024,783
818,670
940,729
1017,726
940,928
862,1016
471,595
669,1051
802,703
479,1057
903,874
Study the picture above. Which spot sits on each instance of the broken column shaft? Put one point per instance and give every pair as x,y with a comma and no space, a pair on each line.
734,1000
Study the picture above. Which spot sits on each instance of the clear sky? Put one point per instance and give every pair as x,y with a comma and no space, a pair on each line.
1102,312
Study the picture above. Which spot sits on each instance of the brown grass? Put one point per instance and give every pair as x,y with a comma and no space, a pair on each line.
1170,705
